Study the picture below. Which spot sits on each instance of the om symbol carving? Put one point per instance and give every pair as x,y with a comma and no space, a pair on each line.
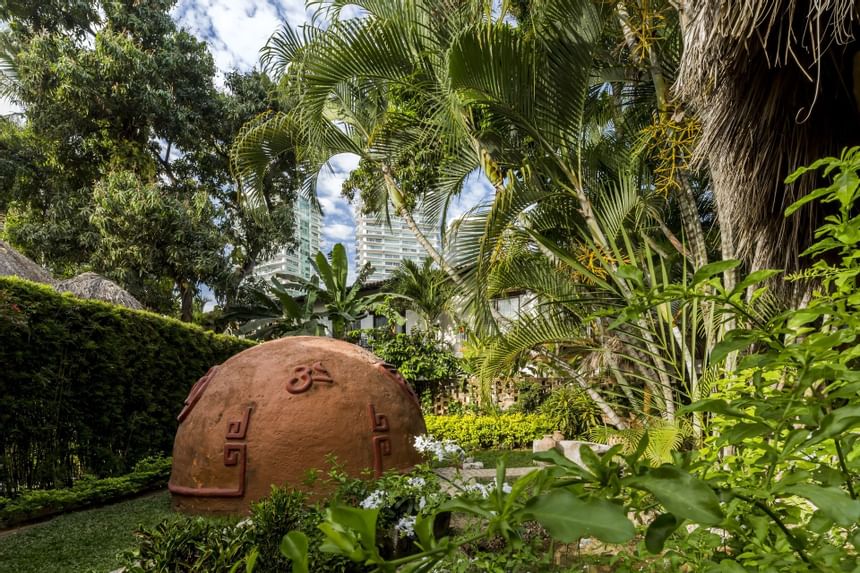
305,376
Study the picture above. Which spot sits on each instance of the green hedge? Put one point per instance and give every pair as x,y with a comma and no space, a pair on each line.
490,432
89,387
148,474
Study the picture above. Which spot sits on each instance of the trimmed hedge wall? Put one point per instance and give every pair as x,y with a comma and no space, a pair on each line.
148,474
505,431
89,387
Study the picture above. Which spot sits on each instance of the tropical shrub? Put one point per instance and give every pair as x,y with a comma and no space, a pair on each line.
514,430
570,411
776,490
89,387
148,474
195,544
422,359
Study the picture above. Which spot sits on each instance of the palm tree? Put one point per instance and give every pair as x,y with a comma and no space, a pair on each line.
767,80
377,87
425,289
273,312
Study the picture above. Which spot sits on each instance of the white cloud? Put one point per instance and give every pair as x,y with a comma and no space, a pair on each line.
477,189
338,232
236,29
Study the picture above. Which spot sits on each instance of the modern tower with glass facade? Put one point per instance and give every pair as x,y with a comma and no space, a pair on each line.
308,234
384,247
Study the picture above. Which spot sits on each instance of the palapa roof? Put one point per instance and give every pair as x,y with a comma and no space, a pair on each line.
768,81
95,286
13,263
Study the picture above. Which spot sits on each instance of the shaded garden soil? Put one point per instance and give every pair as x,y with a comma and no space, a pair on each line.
83,541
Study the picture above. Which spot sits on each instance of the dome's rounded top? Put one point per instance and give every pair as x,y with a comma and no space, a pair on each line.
274,412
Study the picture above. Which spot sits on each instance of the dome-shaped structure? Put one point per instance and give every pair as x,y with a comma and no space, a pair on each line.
94,286
13,263
273,412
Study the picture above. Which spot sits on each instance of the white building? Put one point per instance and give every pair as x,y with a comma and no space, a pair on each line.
384,247
296,262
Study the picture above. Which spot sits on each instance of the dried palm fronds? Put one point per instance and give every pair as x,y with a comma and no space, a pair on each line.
771,81
15,264
94,286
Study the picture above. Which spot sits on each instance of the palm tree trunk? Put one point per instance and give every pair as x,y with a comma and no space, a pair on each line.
396,197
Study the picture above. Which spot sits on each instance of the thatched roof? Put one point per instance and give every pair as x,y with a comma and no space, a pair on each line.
15,264
95,286
771,81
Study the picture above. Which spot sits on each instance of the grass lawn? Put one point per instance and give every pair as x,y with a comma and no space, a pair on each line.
82,541
513,458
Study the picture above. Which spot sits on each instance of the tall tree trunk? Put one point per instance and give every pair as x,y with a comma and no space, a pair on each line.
397,199
186,298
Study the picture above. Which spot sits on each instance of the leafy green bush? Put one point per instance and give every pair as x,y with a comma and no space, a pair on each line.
570,411
201,545
513,430
149,473
775,488
89,387
423,360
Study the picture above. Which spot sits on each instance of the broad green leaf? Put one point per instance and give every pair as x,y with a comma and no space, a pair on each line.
294,546
713,269
836,422
806,199
716,406
660,530
682,494
727,346
754,278
568,518
362,521
833,502
741,431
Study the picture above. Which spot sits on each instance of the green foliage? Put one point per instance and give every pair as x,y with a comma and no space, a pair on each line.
419,356
187,544
344,303
121,163
90,387
570,411
425,290
148,474
784,498
507,431
272,312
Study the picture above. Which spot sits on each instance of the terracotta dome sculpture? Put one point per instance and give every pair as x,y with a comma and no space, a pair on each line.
273,412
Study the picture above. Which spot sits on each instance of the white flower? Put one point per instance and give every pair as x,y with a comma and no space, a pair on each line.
506,487
479,488
438,448
245,523
406,526
374,500
416,482
422,503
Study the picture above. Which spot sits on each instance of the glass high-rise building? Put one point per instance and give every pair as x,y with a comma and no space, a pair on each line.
384,247
308,234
